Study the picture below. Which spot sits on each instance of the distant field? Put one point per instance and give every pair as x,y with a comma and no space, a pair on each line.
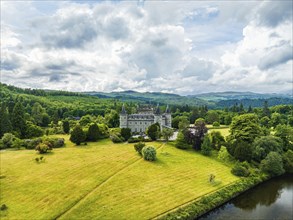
224,130
104,181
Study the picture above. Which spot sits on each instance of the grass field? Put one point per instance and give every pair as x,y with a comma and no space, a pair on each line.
224,130
104,181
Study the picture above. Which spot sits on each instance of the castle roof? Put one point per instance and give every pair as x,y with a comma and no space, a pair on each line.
123,111
167,109
157,111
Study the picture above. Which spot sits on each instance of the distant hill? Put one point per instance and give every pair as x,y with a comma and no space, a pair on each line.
237,95
212,100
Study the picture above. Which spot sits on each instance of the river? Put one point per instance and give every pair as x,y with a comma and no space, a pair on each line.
270,200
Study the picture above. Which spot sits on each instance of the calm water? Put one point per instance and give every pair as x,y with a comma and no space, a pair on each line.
270,200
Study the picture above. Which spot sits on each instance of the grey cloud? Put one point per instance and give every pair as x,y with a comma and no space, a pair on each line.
115,28
71,34
276,57
202,69
272,13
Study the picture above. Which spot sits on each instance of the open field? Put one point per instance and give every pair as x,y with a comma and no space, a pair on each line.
104,181
224,130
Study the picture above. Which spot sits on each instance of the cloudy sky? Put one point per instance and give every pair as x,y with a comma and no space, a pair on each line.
183,47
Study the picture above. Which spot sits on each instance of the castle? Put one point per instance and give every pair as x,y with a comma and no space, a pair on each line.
146,116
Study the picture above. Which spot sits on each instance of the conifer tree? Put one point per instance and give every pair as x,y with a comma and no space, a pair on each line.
17,119
5,123
66,126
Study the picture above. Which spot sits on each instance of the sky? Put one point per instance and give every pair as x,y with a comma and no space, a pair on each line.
182,47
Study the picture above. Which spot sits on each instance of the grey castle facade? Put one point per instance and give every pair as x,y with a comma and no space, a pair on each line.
145,117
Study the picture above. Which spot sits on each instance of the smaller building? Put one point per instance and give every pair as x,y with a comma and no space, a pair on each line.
146,116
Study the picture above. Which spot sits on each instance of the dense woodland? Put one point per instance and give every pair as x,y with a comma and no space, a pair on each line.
258,136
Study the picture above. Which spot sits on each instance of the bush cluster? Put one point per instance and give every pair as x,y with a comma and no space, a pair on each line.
241,169
139,146
116,139
149,153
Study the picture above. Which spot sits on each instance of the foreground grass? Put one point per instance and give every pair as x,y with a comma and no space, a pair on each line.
104,181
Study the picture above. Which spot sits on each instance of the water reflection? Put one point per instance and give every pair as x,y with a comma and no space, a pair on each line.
270,200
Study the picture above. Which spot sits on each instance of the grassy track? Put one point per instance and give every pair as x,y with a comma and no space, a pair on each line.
103,181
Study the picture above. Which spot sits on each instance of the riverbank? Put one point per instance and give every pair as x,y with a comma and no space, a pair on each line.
211,201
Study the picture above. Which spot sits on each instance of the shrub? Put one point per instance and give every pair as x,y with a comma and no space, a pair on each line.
126,133
224,155
18,143
138,139
43,148
32,143
240,169
116,139
149,153
3,207
139,146
272,164
7,140
54,142
216,124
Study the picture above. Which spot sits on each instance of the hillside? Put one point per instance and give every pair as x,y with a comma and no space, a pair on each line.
212,100
104,181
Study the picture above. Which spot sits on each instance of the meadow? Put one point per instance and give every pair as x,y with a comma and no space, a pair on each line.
103,180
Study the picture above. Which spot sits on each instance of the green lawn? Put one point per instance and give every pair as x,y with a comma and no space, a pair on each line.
104,181
224,130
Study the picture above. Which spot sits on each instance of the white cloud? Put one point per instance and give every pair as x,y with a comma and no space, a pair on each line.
182,47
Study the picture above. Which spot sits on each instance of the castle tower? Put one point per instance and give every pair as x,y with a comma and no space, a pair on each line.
158,116
123,117
168,117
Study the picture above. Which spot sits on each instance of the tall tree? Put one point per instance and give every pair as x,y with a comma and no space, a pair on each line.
66,126
18,120
37,113
5,123
266,110
93,132
77,135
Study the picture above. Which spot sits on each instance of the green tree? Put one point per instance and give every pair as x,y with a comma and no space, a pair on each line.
285,132
273,164
276,119
7,140
167,133
77,135
66,126
183,123
5,124
245,128
264,145
181,142
33,131
241,150
93,132
217,140
153,131
212,116
288,161
18,121
206,147
265,121
266,110
126,133
37,113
